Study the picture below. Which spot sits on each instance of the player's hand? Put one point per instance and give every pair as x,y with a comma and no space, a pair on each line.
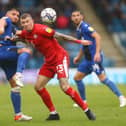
15,38
10,38
18,32
7,38
86,42
76,60
97,57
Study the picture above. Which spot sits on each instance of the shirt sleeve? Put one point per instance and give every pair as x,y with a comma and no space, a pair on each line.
88,29
47,31
8,20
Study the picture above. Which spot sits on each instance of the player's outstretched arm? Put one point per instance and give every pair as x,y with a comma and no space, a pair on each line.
17,36
18,32
71,38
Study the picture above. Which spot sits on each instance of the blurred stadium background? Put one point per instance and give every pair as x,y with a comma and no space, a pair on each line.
108,17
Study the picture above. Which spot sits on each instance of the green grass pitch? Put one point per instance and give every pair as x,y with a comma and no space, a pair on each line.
100,99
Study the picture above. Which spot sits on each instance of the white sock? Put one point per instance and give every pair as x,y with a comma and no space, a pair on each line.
53,113
18,113
86,110
121,97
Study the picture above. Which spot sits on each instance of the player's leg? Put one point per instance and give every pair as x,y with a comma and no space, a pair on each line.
83,70
16,101
10,69
62,73
42,80
43,93
76,98
24,54
110,84
80,84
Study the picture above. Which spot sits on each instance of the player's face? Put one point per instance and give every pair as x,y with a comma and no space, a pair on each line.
13,15
76,17
27,23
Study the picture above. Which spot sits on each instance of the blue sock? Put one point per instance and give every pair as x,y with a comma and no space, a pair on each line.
16,101
112,86
81,88
22,60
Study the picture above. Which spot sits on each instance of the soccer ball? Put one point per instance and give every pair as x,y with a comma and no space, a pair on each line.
48,15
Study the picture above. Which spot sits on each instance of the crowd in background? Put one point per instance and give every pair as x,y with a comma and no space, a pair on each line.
113,15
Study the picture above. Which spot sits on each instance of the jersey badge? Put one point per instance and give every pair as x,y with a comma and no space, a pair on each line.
91,29
35,36
49,30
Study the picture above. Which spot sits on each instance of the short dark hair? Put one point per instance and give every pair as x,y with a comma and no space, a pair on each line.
77,10
15,9
25,15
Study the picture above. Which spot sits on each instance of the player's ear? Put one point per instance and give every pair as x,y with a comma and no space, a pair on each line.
71,17
82,17
21,23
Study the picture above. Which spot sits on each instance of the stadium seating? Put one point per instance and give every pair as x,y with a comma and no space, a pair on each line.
115,11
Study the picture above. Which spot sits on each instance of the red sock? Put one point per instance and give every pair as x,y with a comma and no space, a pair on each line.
75,96
45,96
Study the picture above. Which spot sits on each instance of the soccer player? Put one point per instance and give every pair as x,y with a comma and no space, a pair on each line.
8,60
93,58
21,49
56,62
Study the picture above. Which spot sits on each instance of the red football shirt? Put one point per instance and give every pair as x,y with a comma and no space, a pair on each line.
42,38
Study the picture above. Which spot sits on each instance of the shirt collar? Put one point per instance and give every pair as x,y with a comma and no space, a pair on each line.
79,25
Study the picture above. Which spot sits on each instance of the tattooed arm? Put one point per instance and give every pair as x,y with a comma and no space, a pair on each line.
71,38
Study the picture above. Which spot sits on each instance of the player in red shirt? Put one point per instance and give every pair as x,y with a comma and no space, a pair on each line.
56,62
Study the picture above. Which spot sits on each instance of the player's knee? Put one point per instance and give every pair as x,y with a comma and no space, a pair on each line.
26,50
37,87
12,82
102,80
15,89
77,78
102,77
64,86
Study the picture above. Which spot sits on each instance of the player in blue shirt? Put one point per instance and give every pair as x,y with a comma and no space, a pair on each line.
93,58
24,54
8,60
